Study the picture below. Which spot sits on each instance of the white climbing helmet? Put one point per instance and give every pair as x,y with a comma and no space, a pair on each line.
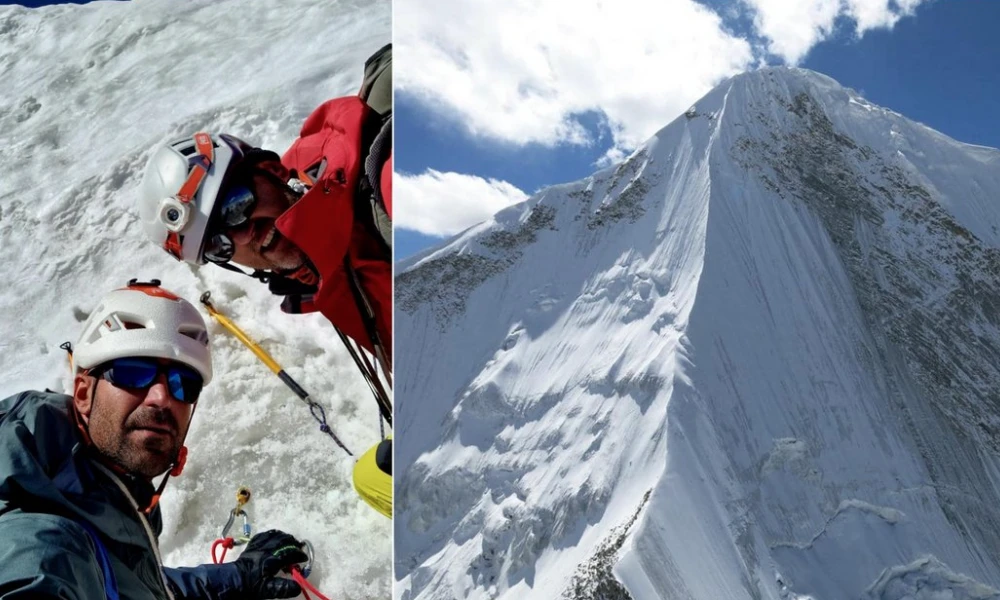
144,320
180,187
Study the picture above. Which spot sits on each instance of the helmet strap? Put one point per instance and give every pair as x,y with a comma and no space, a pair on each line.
178,467
304,274
258,274
175,469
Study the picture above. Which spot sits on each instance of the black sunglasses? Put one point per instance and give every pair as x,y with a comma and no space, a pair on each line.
183,382
233,211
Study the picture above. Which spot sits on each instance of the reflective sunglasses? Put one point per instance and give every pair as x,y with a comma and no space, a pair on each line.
233,211
183,382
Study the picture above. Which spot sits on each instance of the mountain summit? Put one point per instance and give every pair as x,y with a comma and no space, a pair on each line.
758,359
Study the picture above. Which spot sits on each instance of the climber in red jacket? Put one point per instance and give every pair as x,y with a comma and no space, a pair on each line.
315,224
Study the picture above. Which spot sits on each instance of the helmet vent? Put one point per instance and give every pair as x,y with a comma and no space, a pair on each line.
198,335
155,323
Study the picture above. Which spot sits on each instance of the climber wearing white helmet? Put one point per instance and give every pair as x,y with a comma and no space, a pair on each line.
137,336
79,515
315,223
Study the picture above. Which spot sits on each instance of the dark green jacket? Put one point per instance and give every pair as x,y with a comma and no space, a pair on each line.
48,487
51,492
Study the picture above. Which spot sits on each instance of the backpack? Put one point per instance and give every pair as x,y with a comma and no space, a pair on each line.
376,91
376,87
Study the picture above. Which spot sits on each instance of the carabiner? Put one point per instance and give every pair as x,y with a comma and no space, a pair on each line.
306,567
238,512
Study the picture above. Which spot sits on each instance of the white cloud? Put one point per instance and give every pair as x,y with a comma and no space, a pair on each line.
794,27
440,204
520,71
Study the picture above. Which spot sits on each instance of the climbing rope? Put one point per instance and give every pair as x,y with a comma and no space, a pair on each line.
305,585
299,574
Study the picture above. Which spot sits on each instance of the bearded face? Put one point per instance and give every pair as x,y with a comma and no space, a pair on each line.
140,431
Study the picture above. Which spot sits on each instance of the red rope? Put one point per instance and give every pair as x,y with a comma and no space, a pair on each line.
226,544
305,585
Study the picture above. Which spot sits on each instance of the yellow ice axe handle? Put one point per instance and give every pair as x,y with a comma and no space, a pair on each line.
261,354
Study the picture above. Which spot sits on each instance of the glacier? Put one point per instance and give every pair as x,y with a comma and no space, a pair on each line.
755,360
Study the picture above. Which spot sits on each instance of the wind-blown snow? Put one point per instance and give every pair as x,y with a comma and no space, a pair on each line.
779,319
88,92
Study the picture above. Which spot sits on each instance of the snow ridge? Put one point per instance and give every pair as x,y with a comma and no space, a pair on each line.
779,314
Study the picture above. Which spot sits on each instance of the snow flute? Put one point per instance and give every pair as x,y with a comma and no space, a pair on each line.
275,368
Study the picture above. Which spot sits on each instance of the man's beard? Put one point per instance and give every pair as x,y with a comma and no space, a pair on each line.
287,264
149,456
289,260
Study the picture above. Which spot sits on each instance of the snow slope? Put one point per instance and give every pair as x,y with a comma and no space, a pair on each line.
88,92
758,359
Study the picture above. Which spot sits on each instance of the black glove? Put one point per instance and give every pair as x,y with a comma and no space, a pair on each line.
266,555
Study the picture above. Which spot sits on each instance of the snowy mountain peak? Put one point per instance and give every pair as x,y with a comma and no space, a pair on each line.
764,342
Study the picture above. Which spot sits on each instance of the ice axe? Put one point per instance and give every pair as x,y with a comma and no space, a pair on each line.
317,411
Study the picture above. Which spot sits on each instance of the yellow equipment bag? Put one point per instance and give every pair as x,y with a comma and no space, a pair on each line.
373,477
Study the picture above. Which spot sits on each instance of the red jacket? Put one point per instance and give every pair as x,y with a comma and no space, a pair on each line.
322,222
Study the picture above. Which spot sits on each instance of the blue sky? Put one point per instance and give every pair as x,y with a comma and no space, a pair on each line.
936,64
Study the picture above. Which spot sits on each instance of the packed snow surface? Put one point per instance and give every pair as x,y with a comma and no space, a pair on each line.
88,92
756,360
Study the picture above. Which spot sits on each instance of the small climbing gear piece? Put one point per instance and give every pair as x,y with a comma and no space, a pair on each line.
226,541
299,572
315,408
311,553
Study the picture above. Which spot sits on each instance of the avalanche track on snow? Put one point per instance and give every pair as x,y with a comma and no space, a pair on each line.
758,359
